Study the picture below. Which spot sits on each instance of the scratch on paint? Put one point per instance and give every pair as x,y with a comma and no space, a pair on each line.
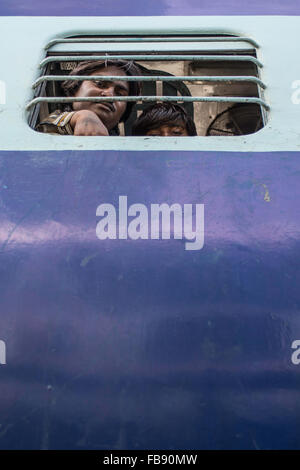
267,195
87,259
7,428
36,205
255,444
24,418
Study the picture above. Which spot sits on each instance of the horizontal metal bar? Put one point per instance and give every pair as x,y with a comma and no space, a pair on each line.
151,39
241,48
212,58
98,99
150,78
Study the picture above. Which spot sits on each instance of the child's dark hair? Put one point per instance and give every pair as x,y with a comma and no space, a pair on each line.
89,66
160,114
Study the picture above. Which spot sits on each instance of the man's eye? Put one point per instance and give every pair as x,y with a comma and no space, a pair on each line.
121,92
100,83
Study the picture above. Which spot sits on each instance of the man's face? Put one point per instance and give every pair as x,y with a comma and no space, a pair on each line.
110,113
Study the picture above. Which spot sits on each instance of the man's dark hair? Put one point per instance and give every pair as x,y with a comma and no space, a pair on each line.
89,66
162,114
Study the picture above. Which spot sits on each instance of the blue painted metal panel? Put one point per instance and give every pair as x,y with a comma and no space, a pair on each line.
142,344
148,7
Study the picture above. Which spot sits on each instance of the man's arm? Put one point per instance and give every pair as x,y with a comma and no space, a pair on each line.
83,122
57,123
86,122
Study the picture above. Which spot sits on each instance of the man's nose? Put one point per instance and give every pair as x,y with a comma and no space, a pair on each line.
108,91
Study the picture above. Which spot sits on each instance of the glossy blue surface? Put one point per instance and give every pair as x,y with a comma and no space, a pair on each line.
123,344
147,7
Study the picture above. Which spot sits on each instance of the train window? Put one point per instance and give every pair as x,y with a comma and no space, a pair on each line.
215,78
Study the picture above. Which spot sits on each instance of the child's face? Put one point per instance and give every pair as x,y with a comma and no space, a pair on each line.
168,130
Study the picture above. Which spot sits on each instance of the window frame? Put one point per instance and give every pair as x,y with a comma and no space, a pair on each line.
218,55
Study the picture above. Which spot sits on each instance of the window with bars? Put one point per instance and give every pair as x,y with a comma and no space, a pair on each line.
216,78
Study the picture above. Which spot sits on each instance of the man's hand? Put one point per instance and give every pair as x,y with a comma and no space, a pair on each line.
86,122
